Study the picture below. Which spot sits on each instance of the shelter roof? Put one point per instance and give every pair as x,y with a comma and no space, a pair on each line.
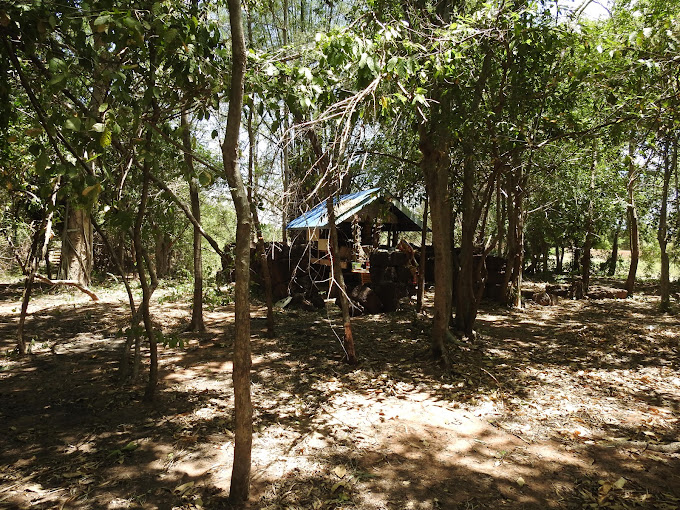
346,206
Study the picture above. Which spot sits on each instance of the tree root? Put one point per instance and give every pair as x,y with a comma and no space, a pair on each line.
70,283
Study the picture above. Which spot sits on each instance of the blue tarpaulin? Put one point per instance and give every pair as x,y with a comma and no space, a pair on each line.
347,206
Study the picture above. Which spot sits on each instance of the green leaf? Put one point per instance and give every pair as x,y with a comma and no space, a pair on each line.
102,20
214,134
103,107
95,187
73,124
205,178
41,163
56,64
99,127
105,139
101,24
57,79
131,446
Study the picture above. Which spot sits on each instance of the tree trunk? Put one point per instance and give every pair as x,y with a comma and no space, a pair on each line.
124,367
633,229
500,220
670,163
512,281
614,259
243,407
575,259
338,279
586,259
559,257
34,259
150,391
32,265
466,299
423,261
336,267
197,323
162,254
76,247
434,166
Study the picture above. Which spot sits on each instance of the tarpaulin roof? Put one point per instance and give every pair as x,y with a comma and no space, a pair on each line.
346,206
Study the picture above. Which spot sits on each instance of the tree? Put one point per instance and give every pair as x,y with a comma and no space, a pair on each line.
243,408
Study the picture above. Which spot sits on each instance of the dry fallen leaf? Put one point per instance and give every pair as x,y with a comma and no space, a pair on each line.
521,482
340,471
620,483
184,487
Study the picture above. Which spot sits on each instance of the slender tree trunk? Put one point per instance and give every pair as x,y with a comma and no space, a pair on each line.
670,163
150,391
339,280
160,184
500,219
252,199
465,295
197,323
633,228
28,288
586,259
35,256
243,407
613,261
576,259
512,281
423,261
337,276
124,367
285,161
558,260
435,167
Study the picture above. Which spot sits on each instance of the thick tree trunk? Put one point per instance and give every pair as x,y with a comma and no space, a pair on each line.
670,163
77,254
633,228
434,166
243,407
423,261
197,323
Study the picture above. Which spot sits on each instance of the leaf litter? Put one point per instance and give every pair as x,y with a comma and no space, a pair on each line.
561,407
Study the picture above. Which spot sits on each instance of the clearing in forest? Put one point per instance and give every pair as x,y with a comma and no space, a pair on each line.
568,406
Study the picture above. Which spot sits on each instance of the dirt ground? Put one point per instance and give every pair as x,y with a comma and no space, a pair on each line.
569,406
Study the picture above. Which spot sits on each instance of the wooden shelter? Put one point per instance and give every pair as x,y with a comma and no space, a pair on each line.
361,218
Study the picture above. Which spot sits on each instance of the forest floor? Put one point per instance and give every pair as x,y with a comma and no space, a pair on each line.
568,406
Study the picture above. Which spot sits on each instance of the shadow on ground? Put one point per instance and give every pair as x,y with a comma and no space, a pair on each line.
523,420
